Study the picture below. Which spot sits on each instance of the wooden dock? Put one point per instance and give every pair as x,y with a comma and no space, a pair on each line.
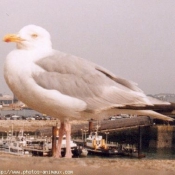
27,125
6,125
110,125
38,152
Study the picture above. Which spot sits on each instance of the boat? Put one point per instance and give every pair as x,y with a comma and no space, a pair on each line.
95,144
1,143
74,148
131,151
36,146
82,151
14,146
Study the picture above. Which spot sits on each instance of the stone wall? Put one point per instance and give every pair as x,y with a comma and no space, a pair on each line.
162,136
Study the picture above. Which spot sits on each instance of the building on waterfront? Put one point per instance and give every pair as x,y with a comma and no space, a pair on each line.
6,99
165,97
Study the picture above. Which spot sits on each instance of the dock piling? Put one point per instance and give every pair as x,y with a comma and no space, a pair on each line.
54,135
90,126
139,142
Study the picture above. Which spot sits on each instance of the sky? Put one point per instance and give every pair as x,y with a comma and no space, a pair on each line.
135,39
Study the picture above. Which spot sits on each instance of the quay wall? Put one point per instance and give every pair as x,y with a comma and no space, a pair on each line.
162,136
156,136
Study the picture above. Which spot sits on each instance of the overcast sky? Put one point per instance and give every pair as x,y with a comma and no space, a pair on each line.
135,39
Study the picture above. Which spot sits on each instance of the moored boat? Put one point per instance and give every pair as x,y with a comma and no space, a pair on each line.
95,144
74,148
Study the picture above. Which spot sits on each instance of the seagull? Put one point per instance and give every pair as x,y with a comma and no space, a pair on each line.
66,86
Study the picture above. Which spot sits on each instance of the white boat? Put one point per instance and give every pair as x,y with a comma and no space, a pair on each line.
15,147
74,148
48,145
95,144
95,141
1,143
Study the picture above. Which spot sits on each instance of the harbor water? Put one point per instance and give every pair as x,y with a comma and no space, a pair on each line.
150,154
161,153
23,112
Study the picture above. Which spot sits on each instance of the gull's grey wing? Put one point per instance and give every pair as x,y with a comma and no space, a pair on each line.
81,79
65,63
129,84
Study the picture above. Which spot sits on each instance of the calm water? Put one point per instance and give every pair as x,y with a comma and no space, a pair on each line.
160,153
24,112
166,154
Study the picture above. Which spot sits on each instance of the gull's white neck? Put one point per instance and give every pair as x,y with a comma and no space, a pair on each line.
21,55
22,62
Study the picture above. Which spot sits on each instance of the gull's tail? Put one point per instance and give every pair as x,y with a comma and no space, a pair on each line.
116,111
149,113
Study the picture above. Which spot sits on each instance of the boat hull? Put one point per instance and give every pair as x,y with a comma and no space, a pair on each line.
103,152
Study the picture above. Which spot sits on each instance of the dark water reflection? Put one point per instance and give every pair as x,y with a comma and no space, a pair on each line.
24,112
151,154
161,153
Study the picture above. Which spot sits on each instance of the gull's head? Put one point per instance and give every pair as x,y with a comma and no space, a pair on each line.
30,37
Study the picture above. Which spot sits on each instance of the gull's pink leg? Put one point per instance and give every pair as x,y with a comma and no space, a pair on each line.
61,133
67,127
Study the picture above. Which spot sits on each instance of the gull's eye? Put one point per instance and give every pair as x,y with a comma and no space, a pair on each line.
34,35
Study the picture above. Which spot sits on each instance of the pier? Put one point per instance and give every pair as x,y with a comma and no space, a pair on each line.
46,126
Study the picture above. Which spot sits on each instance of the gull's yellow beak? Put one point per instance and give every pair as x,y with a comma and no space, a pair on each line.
12,38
